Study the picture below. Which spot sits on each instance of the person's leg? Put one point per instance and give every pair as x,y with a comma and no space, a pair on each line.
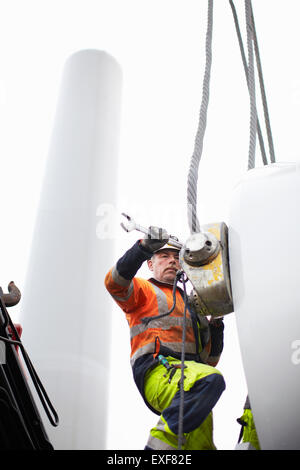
203,386
248,430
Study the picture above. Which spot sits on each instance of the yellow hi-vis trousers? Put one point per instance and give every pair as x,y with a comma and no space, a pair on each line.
203,386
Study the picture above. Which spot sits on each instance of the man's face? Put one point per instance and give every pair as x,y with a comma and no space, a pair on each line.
164,264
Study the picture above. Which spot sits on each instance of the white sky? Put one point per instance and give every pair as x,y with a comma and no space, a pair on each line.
160,47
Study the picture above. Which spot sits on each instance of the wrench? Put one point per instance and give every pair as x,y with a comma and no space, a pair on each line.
129,224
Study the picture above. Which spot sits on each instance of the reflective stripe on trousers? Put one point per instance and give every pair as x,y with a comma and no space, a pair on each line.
162,438
203,386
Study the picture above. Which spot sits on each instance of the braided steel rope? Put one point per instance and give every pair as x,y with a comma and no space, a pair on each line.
198,146
251,82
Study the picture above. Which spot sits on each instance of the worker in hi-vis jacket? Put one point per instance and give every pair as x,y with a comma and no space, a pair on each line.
157,342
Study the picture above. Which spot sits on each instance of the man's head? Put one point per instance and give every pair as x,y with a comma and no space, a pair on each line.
164,264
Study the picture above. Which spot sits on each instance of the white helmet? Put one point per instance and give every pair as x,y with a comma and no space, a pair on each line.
168,247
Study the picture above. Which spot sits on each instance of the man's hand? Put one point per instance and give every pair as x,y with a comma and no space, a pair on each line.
156,239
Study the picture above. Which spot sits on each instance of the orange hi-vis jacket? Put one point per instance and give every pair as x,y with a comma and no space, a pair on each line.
143,299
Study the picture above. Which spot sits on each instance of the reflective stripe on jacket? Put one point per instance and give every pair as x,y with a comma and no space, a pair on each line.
140,298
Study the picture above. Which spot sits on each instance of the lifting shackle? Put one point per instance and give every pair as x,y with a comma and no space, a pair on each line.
204,258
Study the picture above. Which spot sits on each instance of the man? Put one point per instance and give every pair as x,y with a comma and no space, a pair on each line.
156,344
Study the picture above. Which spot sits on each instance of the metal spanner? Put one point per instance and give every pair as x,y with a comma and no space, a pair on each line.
129,224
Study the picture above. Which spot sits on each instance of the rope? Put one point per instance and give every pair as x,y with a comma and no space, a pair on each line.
253,36
179,277
198,146
181,401
263,92
192,190
254,121
251,80
244,60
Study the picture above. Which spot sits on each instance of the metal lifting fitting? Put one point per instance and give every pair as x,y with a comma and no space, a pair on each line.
204,258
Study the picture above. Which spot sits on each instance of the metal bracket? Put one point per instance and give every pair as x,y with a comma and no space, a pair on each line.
204,258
